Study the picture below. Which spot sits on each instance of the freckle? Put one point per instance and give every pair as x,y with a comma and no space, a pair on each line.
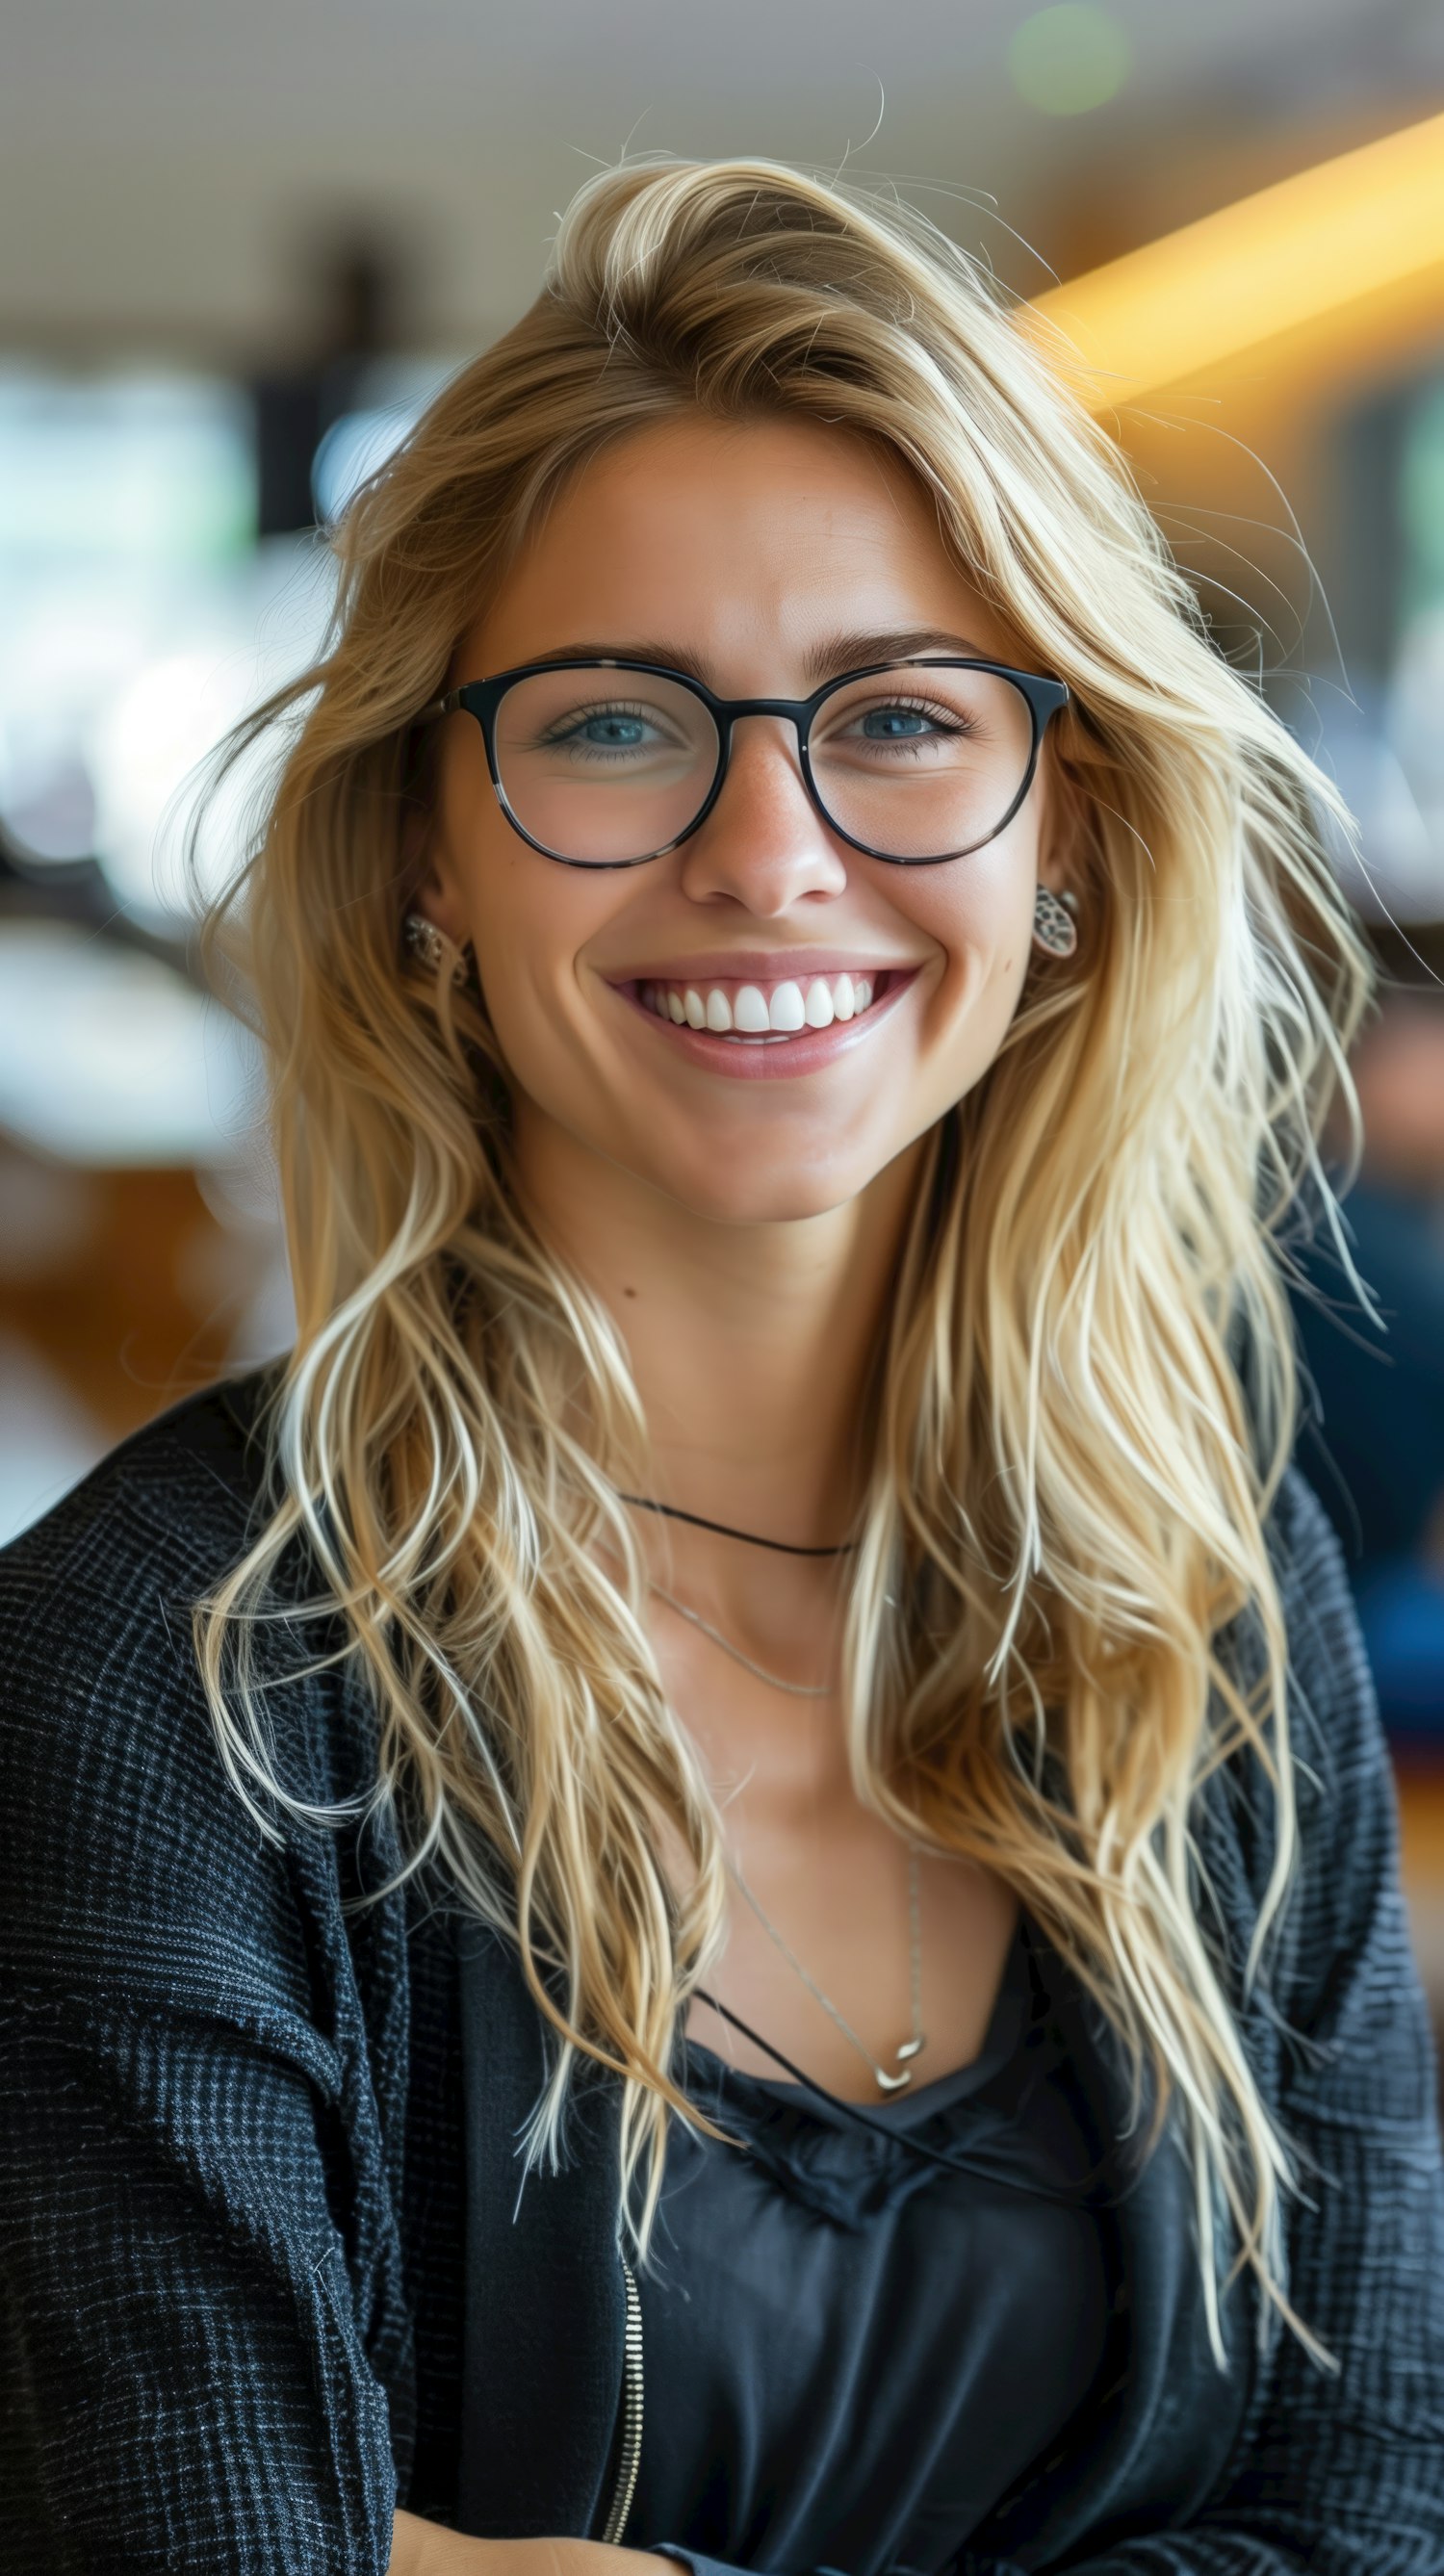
629,1292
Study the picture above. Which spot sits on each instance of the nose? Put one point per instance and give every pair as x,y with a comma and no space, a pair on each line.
764,842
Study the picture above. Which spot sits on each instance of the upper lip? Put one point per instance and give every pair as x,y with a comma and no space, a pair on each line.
768,965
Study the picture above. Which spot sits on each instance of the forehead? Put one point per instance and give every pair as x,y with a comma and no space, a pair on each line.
735,537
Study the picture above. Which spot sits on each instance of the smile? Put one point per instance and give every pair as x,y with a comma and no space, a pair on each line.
757,1027
782,1009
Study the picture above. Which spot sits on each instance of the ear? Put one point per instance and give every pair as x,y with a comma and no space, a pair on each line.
435,895
1063,836
429,871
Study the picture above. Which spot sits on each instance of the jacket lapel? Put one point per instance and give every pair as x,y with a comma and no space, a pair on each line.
545,2301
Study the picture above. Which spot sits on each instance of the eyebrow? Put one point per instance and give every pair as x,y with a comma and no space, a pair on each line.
824,660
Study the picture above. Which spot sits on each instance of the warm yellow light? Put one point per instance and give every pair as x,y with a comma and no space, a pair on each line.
1303,248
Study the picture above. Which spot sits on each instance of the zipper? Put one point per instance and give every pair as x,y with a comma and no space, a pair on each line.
631,2454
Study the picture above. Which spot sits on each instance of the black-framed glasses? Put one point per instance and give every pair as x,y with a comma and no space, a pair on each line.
604,762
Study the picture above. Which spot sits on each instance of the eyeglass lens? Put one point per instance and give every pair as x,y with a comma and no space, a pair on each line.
916,763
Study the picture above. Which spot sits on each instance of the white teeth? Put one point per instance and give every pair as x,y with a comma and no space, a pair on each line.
785,1010
752,1013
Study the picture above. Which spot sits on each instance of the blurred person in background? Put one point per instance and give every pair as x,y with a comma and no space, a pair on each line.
1376,1451
719,1881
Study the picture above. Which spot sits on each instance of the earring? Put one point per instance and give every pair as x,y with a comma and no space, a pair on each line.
1054,929
432,946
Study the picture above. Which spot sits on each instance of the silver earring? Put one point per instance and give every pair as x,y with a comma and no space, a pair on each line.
432,946
1054,929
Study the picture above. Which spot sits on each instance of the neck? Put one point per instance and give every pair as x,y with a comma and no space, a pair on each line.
751,1342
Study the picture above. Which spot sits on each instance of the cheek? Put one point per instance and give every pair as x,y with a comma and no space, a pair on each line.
529,921
979,911
524,942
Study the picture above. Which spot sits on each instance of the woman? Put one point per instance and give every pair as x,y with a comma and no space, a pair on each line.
720,1880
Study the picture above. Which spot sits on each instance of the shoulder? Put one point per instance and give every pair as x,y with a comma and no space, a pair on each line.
1338,1753
1334,1712
179,1493
95,1598
1332,1706
1345,1900
128,1845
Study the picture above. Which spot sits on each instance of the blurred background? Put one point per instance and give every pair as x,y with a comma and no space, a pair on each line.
239,251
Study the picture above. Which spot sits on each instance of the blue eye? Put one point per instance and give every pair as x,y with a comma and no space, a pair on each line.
613,729
894,724
614,732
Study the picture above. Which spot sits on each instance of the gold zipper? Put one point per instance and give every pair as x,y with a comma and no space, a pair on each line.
631,2459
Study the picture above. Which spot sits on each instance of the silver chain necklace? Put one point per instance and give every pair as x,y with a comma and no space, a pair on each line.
799,1690
910,2048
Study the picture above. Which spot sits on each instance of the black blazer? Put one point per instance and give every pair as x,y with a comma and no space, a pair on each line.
262,2283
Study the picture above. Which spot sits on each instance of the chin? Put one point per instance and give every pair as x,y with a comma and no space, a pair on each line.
783,1197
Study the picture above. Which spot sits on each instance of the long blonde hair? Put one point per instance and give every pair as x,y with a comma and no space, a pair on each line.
1068,1487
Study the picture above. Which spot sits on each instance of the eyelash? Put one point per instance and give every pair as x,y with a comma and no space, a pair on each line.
918,707
645,715
588,715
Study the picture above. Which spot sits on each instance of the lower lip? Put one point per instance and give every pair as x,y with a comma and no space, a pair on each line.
760,1060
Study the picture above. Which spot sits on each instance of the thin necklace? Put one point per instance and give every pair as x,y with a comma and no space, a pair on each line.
643,1504
910,2048
800,1690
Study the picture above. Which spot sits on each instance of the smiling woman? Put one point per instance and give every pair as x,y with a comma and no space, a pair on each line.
739,1725
749,808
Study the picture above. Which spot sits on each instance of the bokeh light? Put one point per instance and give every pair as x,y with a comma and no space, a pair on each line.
1067,60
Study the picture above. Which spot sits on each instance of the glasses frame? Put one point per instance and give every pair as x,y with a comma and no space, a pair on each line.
482,699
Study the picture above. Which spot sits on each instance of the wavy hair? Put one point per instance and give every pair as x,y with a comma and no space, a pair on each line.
1064,1515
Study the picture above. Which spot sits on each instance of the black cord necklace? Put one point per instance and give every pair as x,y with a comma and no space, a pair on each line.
781,1544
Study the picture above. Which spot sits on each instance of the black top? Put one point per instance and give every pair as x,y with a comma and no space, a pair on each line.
850,2354
261,2281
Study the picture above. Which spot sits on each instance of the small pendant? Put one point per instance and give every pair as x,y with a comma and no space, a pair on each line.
892,2083
912,2047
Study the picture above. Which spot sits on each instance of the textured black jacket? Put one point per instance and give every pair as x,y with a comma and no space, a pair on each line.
241,2316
